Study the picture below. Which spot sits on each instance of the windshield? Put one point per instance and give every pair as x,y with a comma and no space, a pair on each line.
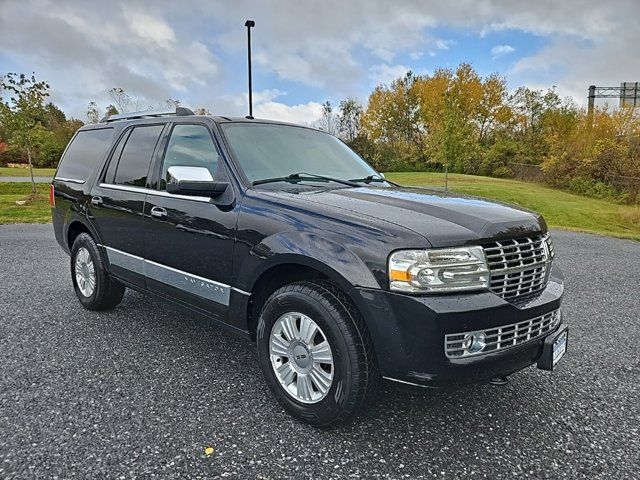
269,151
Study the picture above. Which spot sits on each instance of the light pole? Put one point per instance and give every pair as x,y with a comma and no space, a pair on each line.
249,24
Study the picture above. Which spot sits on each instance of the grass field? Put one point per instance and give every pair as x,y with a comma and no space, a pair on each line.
36,212
560,209
24,172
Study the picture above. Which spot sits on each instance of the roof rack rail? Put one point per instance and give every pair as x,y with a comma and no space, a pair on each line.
179,111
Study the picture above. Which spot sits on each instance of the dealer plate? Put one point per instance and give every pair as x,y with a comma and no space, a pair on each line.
559,347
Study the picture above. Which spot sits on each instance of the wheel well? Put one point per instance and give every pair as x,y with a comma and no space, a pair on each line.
271,280
75,229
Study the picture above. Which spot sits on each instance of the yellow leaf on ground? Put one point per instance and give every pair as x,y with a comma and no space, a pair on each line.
208,450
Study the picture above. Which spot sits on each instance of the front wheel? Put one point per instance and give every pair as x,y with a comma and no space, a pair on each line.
315,353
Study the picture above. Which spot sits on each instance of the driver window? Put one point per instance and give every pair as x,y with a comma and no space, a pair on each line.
189,146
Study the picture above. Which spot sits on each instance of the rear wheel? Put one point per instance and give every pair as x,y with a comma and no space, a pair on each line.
94,287
315,353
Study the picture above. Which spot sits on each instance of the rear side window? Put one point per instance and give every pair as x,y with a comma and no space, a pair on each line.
190,146
85,150
115,158
134,161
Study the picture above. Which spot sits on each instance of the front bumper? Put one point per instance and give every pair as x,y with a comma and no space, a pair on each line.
408,333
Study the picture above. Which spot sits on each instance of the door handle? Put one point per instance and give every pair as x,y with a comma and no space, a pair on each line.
96,200
158,212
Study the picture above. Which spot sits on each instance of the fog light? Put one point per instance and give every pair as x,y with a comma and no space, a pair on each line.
474,342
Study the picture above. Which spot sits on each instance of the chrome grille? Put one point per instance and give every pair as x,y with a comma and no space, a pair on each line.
501,338
518,267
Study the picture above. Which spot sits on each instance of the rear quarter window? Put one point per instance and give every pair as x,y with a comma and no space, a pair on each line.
83,153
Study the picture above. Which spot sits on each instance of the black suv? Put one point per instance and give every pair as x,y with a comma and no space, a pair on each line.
283,234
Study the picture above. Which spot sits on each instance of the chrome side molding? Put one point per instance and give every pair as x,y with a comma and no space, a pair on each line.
188,282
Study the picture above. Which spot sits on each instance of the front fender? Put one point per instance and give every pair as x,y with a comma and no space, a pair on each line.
334,260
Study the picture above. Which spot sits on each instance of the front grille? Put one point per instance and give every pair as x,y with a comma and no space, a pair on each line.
501,338
518,267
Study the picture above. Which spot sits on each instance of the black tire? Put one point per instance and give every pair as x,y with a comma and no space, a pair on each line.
107,292
355,373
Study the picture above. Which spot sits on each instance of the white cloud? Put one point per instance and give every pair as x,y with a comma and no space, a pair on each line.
444,44
149,28
83,51
305,113
500,50
573,65
174,48
265,106
197,65
385,74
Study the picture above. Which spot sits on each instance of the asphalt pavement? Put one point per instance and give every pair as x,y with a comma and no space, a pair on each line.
143,390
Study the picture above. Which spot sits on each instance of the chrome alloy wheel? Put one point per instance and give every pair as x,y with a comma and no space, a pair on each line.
85,272
301,357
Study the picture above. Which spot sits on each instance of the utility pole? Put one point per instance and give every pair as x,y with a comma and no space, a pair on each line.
592,102
446,177
249,24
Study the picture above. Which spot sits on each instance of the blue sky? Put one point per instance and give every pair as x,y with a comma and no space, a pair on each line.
306,52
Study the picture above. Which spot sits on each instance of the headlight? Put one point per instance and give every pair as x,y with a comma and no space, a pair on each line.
441,270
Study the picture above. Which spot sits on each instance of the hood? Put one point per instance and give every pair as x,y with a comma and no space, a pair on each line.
444,219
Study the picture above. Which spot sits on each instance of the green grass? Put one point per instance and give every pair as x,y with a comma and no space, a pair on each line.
36,212
24,172
560,209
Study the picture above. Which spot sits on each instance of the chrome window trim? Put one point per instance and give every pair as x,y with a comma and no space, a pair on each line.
72,180
196,284
157,193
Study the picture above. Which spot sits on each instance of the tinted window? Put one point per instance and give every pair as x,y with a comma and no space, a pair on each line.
136,156
271,150
86,149
115,157
190,146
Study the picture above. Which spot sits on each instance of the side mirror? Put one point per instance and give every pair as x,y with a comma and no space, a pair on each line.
194,181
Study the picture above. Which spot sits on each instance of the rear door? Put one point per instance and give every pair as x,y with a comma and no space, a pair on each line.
189,240
117,201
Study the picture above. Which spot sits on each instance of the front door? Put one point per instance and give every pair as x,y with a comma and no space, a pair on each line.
189,240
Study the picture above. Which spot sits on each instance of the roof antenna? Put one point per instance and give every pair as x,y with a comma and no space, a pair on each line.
249,24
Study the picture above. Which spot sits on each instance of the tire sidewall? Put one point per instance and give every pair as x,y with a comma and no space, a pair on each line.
333,404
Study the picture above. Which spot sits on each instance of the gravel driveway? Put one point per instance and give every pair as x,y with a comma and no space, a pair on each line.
141,391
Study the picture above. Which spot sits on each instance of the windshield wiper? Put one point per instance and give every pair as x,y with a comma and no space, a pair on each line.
373,178
296,177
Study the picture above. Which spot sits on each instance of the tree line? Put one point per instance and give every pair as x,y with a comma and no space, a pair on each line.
31,128
454,119
35,131
459,120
